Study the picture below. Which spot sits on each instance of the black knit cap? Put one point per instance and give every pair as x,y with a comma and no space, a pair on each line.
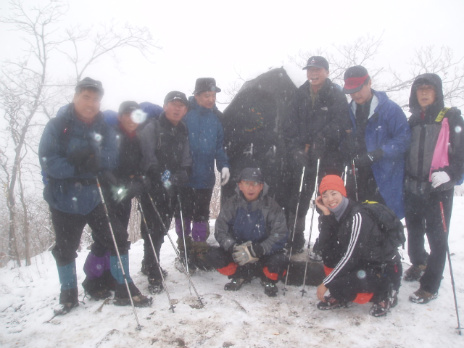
317,62
176,95
88,83
206,84
127,107
251,174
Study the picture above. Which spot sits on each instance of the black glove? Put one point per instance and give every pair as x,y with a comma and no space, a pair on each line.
180,178
153,174
134,189
78,157
108,178
84,160
301,158
318,147
368,158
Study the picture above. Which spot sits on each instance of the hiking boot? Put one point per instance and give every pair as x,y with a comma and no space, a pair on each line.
68,301
181,247
381,308
414,273
270,288
65,308
155,285
139,301
96,289
330,303
421,296
315,255
98,294
235,284
121,297
199,256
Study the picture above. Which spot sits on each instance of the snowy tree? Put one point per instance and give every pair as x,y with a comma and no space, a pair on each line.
366,49
29,91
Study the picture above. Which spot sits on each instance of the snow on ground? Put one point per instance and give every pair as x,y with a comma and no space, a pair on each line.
247,318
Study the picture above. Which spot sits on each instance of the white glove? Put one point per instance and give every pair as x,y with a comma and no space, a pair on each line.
439,178
244,254
225,176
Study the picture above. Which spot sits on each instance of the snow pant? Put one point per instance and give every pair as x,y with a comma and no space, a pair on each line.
157,229
374,279
97,264
423,217
196,208
68,231
271,267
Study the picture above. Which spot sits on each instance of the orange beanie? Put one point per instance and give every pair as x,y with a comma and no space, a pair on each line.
332,182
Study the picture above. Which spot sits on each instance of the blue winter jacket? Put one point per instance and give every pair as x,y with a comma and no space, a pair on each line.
66,189
206,138
387,128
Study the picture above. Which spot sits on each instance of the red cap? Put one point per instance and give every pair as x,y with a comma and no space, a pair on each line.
332,182
355,77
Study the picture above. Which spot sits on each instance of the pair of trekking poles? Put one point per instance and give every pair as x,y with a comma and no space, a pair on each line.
300,190
185,268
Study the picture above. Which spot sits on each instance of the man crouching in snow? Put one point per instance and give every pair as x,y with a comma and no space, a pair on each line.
251,232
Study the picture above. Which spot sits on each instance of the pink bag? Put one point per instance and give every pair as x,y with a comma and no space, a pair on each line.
440,154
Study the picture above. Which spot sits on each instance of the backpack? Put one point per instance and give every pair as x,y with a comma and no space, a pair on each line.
391,227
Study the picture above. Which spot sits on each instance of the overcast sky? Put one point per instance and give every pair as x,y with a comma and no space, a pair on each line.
241,39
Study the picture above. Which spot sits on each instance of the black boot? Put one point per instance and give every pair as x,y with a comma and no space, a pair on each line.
235,284
68,301
121,296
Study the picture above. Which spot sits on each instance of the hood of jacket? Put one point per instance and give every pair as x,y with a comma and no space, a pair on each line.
430,79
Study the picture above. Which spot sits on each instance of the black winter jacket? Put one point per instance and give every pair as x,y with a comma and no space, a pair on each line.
165,147
353,243
322,125
130,156
424,136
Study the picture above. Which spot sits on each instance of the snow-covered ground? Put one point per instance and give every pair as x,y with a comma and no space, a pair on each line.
247,318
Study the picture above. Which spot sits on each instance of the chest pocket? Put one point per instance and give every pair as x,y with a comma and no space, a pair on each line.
249,226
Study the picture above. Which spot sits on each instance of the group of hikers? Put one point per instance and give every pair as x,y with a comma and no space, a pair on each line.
341,154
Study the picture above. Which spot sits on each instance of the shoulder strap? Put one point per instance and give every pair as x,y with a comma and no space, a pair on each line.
441,115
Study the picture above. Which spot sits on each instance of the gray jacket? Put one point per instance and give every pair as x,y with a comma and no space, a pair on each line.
261,221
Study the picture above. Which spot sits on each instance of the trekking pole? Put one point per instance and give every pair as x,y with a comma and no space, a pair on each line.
139,327
353,168
171,306
183,233
445,229
345,175
303,291
187,274
294,227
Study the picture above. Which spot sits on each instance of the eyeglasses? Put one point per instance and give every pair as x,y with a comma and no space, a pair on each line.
250,183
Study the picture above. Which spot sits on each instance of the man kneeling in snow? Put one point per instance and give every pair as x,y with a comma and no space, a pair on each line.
251,232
